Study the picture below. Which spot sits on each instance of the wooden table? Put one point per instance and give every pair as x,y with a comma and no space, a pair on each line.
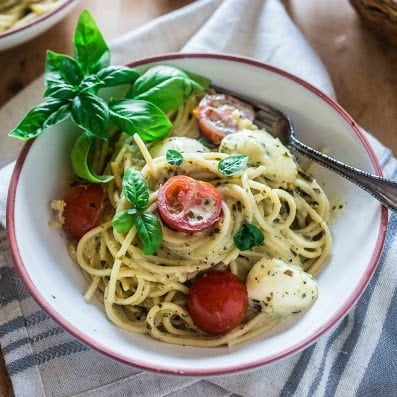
362,68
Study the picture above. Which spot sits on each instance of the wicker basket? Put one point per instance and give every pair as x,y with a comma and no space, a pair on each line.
380,16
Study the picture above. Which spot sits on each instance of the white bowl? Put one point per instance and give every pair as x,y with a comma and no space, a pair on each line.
15,36
57,284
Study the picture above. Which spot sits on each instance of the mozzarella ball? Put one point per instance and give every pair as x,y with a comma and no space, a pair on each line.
279,288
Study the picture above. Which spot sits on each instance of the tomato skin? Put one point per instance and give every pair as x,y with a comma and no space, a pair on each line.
217,302
189,205
83,208
216,115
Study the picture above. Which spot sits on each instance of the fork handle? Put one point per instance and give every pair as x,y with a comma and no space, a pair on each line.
384,190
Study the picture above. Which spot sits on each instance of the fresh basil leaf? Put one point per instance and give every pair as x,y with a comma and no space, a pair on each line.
90,48
38,119
233,164
165,86
248,236
91,113
149,231
174,157
63,68
123,221
136,189
117,75
170,94
80,156
141,117
154,76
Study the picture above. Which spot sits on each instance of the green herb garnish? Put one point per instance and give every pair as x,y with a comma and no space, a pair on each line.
233,164
174,157
135,189
248,236
148,226
149,231
73,85
165,86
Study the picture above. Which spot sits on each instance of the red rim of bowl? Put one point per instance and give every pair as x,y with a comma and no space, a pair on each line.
37,20
356,293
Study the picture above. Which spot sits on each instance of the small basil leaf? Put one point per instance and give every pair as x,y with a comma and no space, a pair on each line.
248,236
170,94
233,164
38,119
123,221
90,48
63,67
149,231
136,189
141,117
174,157
80,160
117,75
91,113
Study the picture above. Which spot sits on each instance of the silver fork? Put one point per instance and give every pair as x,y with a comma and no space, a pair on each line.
281,126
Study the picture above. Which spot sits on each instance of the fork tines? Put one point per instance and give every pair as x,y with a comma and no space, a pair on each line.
266,116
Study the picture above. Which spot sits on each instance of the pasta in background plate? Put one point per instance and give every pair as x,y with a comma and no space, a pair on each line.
15,13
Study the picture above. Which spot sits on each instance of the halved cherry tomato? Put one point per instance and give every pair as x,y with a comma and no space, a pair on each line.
218,115
84,203
217,302
188,205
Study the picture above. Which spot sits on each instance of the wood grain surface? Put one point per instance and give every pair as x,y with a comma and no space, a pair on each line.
361,66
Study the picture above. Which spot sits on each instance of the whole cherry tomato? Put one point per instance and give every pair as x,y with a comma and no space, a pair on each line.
83,207
218,115
189,205
217,302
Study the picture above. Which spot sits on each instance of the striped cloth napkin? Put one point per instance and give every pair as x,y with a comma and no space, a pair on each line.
357,358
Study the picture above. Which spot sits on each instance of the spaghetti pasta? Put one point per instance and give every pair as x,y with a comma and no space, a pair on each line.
15,13
148,293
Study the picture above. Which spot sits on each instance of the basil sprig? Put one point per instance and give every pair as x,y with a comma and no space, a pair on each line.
148,226
248,236
72,90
